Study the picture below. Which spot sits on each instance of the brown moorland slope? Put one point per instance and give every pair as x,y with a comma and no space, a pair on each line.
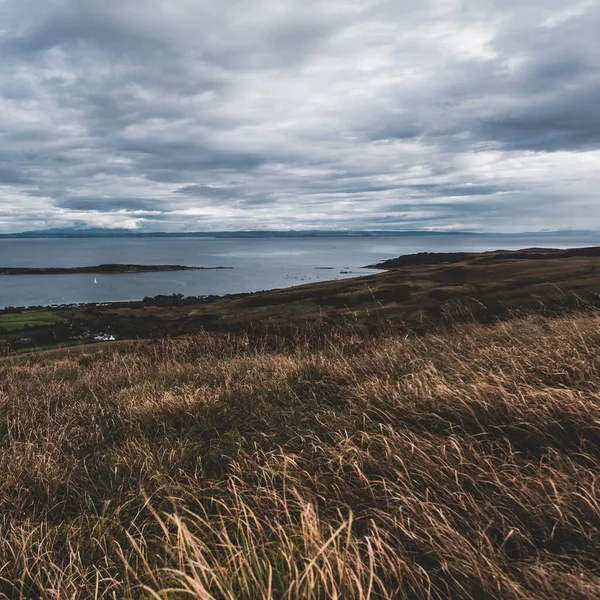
483,287
449,288
462,463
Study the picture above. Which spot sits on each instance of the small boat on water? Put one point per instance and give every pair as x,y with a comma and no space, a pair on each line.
95,280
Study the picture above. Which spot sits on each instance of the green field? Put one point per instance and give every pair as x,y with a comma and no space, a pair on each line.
18,321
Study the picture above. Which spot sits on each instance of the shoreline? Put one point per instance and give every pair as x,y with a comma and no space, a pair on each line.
415,260
482,287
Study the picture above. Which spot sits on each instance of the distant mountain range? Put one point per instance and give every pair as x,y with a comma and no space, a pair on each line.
77,232
95,232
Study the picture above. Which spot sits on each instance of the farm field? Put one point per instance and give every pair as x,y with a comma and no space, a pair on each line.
11,322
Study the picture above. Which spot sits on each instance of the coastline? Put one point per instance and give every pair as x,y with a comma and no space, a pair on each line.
415,260
484,287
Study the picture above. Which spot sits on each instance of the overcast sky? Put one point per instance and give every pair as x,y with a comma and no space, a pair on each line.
245,114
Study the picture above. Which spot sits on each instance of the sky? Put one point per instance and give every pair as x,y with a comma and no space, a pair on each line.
198,115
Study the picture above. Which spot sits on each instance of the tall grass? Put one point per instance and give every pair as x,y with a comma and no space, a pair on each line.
459,464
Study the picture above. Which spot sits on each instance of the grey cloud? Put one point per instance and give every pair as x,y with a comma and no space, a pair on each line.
102,204
156,155
10,175
570,121
350,113
205,190
419,190
74,22
458,191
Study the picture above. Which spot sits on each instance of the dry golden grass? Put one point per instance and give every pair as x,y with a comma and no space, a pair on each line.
461,464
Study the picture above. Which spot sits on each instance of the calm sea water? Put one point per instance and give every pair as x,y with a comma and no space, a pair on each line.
259,264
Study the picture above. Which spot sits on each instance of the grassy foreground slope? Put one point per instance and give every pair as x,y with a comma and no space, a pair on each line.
459,464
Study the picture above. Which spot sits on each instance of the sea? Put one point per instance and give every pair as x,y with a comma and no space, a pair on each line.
260,263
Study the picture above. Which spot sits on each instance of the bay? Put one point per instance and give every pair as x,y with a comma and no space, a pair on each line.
258,263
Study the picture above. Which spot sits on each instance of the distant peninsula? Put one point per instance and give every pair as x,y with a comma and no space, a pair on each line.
100,269
423,259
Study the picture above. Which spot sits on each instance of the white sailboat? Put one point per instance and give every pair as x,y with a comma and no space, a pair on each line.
95,280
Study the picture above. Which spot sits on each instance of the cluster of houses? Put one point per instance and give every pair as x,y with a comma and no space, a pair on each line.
104,337
27,342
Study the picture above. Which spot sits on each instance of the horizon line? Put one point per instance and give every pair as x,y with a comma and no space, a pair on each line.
115,232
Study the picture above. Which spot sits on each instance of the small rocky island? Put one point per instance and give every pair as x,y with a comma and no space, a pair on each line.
100,269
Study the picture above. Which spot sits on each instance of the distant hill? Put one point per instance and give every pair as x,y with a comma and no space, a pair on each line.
95,232
69,232
75,232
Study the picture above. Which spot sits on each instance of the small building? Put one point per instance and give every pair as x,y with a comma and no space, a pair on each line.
104,337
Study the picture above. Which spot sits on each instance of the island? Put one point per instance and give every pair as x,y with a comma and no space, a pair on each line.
109,269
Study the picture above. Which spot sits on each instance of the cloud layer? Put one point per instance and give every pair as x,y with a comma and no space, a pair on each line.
362,114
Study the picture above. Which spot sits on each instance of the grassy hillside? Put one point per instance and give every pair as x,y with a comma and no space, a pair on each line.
458,464
421,290
481,287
